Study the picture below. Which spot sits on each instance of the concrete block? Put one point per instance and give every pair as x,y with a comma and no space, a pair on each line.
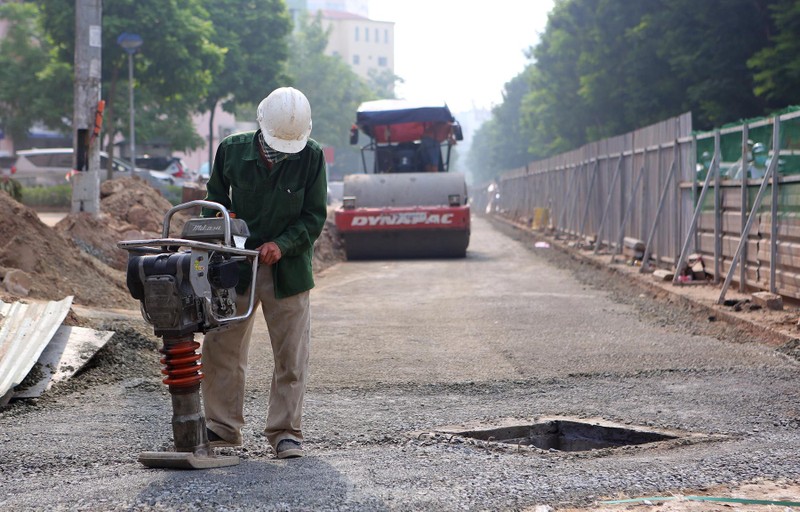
768,300
663,275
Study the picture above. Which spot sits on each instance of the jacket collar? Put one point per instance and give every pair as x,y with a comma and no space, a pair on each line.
252,151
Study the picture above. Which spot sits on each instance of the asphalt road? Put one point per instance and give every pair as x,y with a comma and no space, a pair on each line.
403,349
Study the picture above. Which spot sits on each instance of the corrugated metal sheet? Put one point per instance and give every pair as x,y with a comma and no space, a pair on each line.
69,351
25,332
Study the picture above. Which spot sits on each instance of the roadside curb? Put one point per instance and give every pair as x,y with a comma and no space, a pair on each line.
763,331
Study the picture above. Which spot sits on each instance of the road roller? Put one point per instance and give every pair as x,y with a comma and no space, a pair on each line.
405,203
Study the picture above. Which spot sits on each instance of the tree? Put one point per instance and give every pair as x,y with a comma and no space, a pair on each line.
332,88
256,49
382,83
606,67
26,67
777,70
554,106
174,66
706,47
499,144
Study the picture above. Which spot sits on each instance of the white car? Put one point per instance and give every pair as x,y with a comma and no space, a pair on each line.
52,166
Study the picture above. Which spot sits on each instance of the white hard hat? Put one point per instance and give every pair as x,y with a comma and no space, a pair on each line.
285,119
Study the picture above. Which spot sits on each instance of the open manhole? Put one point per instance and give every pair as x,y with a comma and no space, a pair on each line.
567,435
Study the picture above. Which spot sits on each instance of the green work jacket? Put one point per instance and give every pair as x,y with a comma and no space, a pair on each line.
286,205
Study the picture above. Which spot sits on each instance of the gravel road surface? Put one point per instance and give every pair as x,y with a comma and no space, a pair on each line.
400,351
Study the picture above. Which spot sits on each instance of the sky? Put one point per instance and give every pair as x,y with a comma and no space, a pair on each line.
460,51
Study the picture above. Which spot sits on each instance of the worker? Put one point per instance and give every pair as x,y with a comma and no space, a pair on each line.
430,152
758,166
274,179
703,165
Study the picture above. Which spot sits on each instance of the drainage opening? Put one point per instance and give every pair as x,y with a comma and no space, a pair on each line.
567,436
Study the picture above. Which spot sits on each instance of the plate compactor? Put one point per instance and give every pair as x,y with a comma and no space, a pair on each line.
188,285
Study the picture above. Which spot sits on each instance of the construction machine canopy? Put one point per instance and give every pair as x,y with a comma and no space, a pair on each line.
396,121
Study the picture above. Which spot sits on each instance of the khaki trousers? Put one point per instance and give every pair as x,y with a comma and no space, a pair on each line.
224,359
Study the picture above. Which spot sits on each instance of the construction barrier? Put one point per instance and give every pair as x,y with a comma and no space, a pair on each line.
677,193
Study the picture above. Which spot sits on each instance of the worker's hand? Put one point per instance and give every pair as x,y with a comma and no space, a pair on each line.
269,253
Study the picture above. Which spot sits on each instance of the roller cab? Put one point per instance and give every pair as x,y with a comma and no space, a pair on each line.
406,204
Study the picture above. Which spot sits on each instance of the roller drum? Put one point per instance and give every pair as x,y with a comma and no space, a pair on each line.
404,189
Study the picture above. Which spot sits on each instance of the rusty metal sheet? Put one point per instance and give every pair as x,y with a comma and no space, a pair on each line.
25,331
69,350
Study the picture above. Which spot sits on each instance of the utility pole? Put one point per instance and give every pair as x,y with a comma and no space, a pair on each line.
87,108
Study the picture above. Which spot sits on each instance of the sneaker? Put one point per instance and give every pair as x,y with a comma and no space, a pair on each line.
289,448
216,441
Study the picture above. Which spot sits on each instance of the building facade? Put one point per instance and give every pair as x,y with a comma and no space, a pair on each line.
362,43
360,7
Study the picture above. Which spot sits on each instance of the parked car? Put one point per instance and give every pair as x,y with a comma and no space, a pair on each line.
203,173
51,166
171,165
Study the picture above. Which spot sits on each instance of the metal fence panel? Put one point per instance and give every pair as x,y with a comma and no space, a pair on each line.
645,186
595,189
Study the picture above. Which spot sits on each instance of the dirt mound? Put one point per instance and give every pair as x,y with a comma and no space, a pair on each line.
56,266
130,209
328,249
80,256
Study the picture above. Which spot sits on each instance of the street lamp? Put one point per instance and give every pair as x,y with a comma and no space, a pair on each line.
130,43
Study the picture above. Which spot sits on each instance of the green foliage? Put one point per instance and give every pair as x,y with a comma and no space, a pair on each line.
606,67
382,83
499,144
60,196
255,41
11,187
777,69
706,58
332,88
173,194
173,68
56,196
28,73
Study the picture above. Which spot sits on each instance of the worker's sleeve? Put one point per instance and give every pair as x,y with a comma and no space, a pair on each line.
217,188
302,233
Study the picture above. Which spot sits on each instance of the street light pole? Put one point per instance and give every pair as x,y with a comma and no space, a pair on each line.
130,43
133,110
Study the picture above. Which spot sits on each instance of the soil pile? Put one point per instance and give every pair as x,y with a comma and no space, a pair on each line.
80,256
328,249
134,210
56,266
130,209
